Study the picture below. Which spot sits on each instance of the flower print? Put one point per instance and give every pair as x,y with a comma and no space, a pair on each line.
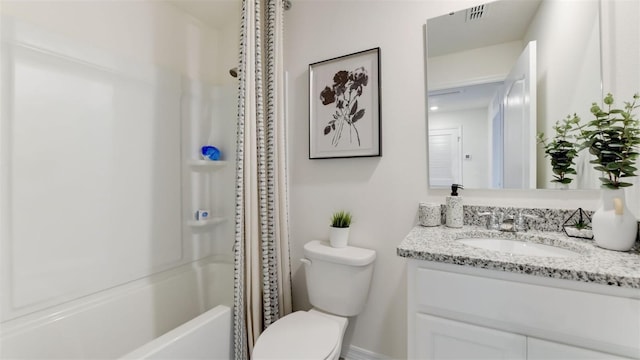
347,87
341,77
359,78
327,96
340,82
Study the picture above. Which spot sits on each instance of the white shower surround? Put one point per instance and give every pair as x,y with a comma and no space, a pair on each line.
118,321
155,73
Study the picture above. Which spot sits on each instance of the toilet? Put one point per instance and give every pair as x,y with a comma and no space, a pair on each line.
338,282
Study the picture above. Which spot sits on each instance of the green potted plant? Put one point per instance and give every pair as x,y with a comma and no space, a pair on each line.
613,138
562,149
339,231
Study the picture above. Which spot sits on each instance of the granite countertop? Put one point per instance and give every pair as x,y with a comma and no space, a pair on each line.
592,264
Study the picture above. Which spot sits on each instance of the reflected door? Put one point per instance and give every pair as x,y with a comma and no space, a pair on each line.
520,121
445,160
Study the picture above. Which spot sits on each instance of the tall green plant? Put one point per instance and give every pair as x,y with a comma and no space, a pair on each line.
562,149
614,139
341,219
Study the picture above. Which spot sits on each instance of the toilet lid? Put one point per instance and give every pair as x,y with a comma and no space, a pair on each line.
300,335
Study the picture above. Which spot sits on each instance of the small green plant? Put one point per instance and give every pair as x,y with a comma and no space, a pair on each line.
562,149
341,219
580,224
613,138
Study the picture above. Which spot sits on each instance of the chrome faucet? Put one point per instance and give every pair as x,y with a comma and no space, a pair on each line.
494,219
513,222
509,223
516,221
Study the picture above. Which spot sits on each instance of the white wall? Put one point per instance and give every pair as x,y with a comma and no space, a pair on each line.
384,192
142,31
97,98
475,142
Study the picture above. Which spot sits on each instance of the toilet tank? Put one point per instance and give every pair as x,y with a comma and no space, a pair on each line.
338,279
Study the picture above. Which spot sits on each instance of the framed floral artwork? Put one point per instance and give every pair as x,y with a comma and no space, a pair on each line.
344,106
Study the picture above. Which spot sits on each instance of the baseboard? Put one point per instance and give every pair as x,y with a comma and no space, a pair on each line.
356,353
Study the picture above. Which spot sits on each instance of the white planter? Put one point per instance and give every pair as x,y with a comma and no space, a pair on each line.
338,237
614,226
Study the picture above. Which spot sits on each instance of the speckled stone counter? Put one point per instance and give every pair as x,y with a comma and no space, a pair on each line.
590,264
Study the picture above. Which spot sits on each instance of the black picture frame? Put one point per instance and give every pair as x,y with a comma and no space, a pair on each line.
345,107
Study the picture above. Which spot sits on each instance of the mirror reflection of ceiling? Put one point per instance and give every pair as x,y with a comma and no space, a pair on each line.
471,51
464,97
498,22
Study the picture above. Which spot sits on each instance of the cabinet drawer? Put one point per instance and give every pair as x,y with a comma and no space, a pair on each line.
447,339
597,321
546,350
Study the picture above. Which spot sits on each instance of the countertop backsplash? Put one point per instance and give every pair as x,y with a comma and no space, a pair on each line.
548,219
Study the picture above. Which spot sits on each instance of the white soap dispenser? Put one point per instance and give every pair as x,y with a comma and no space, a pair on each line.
454,213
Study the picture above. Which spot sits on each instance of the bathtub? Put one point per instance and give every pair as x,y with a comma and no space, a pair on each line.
182,313
208,336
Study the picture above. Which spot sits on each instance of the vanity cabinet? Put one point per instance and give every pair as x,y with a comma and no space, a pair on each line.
466,312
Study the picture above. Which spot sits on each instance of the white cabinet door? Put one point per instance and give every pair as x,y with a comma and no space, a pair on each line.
439,338
540,349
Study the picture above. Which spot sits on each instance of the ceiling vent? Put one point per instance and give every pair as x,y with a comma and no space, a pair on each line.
476,13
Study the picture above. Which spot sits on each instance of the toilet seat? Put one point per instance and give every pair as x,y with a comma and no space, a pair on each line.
300,335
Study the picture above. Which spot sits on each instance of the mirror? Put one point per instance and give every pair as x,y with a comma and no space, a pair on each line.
499,73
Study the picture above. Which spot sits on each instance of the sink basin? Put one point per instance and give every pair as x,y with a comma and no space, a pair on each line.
518,247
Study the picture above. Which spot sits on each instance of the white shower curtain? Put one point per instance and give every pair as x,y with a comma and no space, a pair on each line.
262,272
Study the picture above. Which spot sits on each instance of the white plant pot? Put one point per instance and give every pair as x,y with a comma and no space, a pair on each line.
338,237
614,226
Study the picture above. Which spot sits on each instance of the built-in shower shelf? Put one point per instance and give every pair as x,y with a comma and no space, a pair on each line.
208,222
206,165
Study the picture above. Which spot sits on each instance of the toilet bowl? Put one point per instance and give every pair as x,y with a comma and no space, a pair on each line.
302,335
338,282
